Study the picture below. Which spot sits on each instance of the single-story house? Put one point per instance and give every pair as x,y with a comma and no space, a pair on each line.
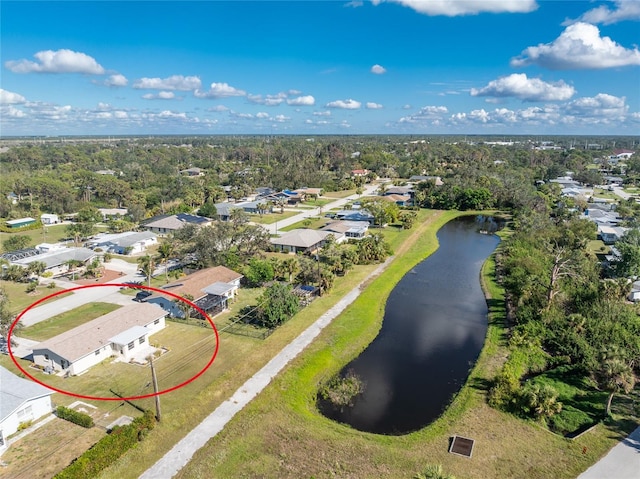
21,401
354,215
210,288
610,234
49,219
345,230
57,260
301,240
13,198
399,190
223,210
123,333
420,178
112,213
165,224
623,154
20,223
400,200
130,242
359,173
263,191
192,172
315,192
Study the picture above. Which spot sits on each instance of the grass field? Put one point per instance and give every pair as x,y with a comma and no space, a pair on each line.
64,321
313,223
19,299
281,434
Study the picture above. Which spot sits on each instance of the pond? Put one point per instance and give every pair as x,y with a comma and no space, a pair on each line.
433,330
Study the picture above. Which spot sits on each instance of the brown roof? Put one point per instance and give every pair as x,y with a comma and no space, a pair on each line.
195,283
92,335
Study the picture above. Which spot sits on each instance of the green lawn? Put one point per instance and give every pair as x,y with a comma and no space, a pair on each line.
65,321
19,299
51,234
313,223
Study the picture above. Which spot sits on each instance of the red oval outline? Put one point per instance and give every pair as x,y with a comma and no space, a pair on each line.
116,285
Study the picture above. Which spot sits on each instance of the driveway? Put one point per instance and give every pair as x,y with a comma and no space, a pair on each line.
622,461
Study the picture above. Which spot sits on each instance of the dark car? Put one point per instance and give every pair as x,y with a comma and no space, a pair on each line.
141,296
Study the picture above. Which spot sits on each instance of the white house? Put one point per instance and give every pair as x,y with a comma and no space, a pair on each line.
56,259
130,242
21,401
49,219
123,333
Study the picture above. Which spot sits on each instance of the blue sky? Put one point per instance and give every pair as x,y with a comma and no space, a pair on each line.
320,67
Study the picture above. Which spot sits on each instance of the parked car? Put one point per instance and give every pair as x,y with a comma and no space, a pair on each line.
142,295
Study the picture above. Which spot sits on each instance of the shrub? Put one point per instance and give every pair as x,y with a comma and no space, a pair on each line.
51,285
76,417
47,274
341,391
106,451
32,286
24,425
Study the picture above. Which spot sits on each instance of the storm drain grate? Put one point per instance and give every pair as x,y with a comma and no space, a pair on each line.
462,446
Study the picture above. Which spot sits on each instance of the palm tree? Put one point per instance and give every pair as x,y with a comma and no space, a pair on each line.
291,266
616,376
165,253
184,306
543,400
147,266
37,267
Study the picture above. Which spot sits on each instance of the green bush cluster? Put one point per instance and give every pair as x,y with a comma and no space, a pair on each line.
76,417
106,451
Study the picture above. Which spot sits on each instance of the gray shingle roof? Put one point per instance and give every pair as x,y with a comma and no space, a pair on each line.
14,391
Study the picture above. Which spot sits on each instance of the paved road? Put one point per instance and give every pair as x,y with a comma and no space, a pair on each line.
174,460
274,228
622,461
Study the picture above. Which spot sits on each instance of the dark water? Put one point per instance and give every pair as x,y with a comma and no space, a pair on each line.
433,330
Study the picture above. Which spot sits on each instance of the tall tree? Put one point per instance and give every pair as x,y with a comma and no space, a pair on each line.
147,265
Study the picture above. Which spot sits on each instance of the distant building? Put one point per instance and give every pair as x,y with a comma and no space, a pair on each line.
192,172
56,258
49,219
166,224
300,241
20,223
131,242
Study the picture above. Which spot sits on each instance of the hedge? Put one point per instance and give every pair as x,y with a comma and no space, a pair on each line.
108,449
79,418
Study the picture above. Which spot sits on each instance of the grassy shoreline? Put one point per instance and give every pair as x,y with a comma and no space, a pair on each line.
281,434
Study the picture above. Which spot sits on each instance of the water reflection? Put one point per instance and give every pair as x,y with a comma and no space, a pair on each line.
433,330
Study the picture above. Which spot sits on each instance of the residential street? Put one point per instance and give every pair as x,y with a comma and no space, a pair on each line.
622,461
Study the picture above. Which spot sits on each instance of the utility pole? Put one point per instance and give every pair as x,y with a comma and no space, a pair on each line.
154,379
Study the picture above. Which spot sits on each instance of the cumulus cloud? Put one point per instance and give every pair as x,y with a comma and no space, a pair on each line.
281,118
322,113
116,80
10,98
344,104
373,106
163,95
268,100
174,82
10,111
59,61
624,10
262,115
465,7
219,90
218,108
579,46
427,114
306,100
527,89
378,69
602,105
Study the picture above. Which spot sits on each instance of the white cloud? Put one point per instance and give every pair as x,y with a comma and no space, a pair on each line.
281,118
268,100
262,115
174,82
527,89
354,4
59,61
580,46
465,7
163,95
322,113
602,105
116,80
625,10
306,100
218,108
10,98
219,90
373,106
10,111
427,114
407,107
344,104
378,69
